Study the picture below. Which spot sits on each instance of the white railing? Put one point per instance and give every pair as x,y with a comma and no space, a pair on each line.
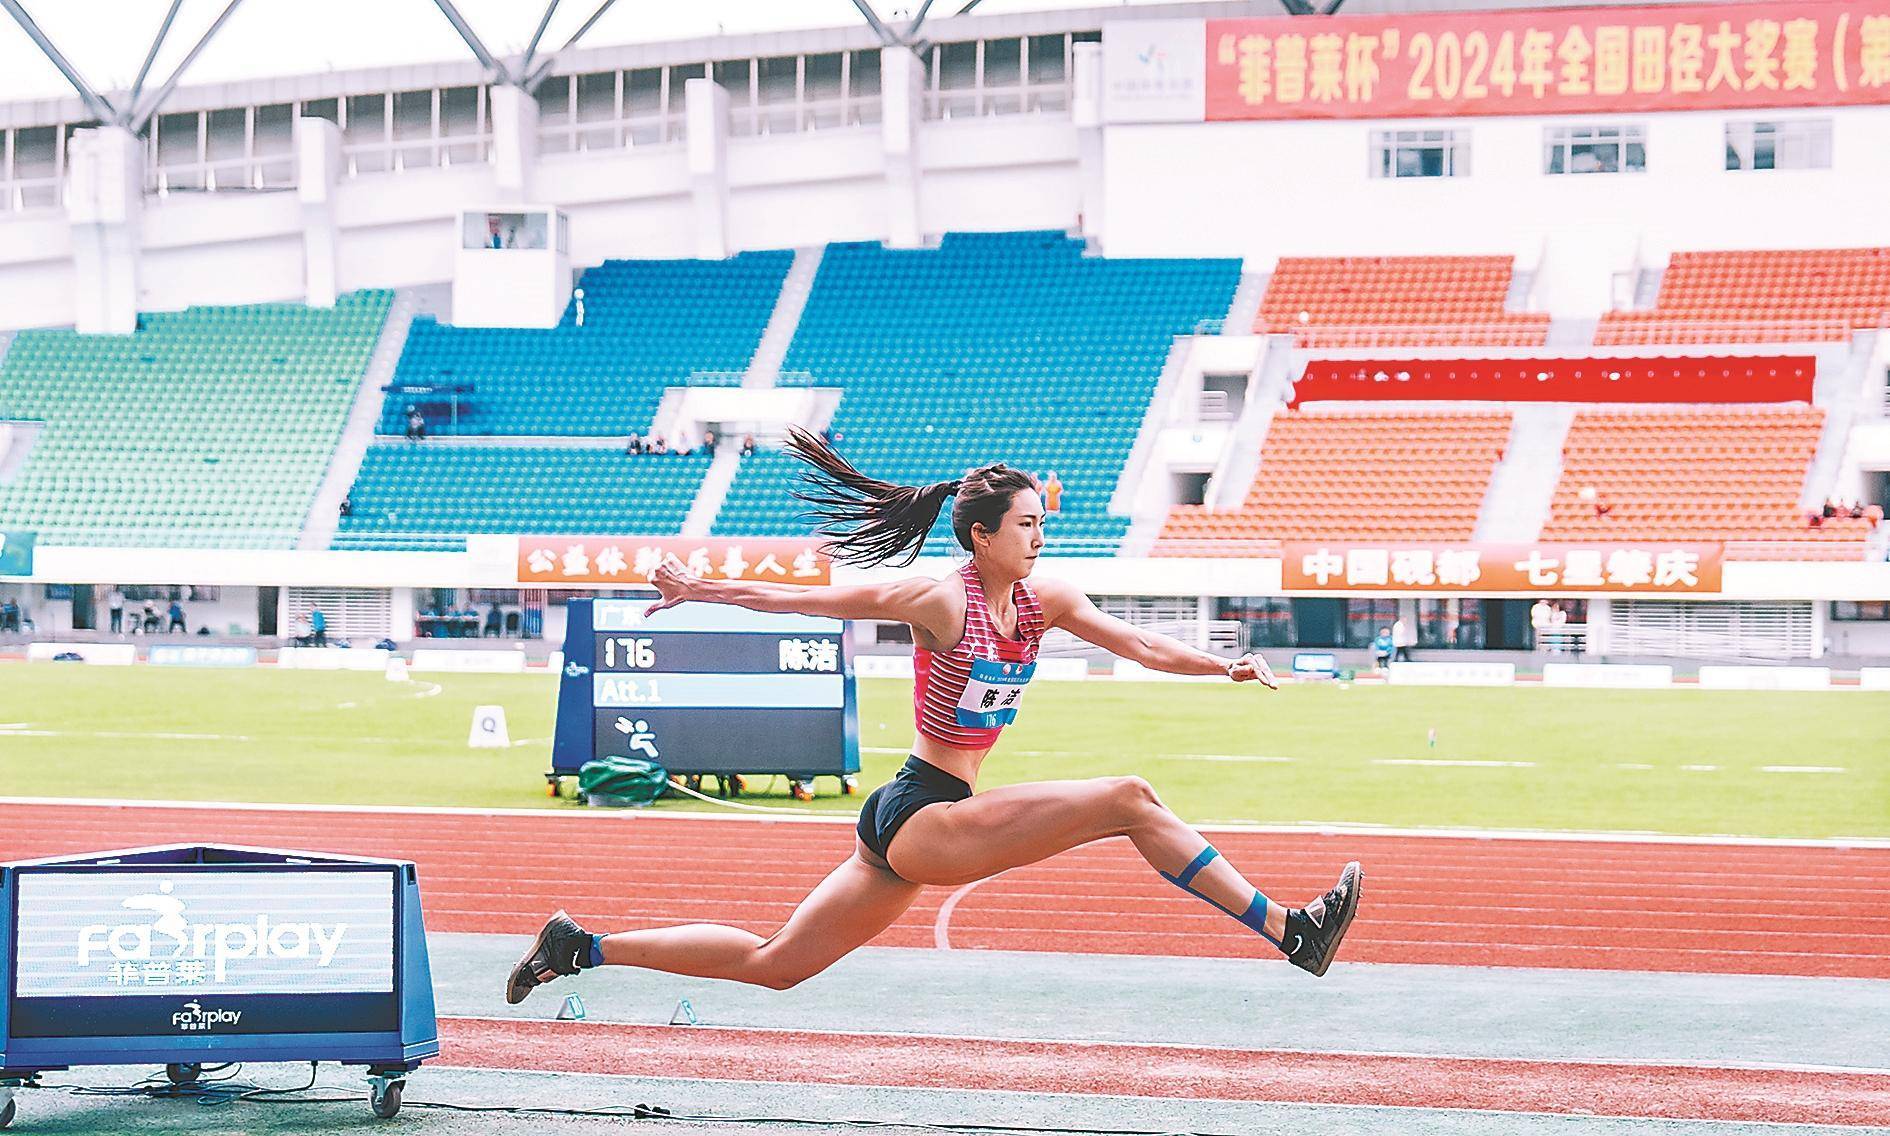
1214,406
1019,98
1651,327
21,194
1562,638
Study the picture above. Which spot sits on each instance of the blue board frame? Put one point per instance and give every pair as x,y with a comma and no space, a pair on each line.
413,1038
574,740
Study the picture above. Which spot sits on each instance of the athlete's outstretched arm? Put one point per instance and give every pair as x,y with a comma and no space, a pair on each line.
912,600
1066,606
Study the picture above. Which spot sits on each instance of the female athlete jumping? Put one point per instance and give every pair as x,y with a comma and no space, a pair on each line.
975,634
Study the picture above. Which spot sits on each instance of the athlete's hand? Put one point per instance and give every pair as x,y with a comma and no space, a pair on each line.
672,583
1253,668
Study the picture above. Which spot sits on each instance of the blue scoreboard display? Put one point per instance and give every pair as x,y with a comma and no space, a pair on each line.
706,689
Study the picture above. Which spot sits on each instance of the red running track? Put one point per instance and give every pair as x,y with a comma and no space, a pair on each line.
1184,1072
1704,908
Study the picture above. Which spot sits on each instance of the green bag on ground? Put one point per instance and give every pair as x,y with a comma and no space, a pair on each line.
616,782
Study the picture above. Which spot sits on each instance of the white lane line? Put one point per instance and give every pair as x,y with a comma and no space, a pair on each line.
1801,769
346,705
1244,758
1631,765
941,926
1700,768
433,688
1458,762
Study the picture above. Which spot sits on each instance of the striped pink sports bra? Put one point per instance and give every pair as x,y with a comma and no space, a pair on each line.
965,697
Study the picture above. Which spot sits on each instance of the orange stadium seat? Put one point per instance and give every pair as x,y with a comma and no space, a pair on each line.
1344,475
1697,475
1396,300
1760,297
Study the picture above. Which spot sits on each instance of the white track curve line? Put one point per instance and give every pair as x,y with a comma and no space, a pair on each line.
433,688
941,926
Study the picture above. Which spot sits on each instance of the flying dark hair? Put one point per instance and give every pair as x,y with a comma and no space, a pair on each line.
868,521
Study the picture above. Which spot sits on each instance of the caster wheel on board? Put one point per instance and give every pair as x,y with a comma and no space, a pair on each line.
184,1073
801,790
385,1098
849,785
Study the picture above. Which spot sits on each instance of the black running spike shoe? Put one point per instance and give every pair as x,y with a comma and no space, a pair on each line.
559,949
1313,932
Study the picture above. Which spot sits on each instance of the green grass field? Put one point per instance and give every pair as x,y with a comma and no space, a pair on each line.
1679,761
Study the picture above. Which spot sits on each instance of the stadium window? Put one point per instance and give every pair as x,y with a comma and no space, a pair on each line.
364,133
460,125
1859,611
1266,621
1449,623
1001,75
329,109
1420,153
274,138
824,92
1364,616
415,129
554,114
1594,149
179,151
863,105
954,79
1047,72
778,92
599,107
737,77
1795,144
34,157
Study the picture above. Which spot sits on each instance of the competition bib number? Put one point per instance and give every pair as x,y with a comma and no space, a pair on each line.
991,694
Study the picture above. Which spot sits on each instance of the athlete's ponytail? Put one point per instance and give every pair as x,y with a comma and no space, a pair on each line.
868,521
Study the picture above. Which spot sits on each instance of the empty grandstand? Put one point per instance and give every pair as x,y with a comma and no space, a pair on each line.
208,428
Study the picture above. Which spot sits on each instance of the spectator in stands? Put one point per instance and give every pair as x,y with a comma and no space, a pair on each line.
115,603
1052,493
708,442
492,230
1403,638
658,444
317,627
748,444
177,618
1593,497
635,445
1542,617
150,621
495,622
299,635
9,615
1381,649
347,506
416,425
577,305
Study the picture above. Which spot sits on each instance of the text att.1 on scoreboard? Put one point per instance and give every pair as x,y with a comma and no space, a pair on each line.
706,689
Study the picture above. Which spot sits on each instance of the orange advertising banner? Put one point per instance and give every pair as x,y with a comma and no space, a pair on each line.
1462,568
575,561
1553,61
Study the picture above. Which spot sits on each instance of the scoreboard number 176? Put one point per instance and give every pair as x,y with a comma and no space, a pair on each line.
630,654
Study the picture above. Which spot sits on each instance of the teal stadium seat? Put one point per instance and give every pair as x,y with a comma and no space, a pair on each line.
429,497
1007,347
210,427
647,325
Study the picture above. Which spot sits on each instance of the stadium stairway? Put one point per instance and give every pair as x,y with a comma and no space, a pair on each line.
1523,483
764,370
324,515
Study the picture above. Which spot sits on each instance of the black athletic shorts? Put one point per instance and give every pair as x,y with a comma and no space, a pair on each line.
917,784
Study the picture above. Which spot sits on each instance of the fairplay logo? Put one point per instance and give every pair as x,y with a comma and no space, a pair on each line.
195,944
193,1017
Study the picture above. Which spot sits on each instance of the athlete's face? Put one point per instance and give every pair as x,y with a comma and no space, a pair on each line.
1014,545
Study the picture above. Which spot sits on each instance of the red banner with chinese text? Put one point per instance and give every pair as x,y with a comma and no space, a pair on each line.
576,561
1558,61
1464,568
1690,379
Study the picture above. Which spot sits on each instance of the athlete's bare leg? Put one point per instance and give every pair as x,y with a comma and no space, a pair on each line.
961,841
856,901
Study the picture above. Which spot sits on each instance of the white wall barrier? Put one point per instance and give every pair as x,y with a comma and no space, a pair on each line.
1765,678
1874,678
173,655
1453,674
469,662
95,654
882,666
1621,676
333,659
1125,671
1061,670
